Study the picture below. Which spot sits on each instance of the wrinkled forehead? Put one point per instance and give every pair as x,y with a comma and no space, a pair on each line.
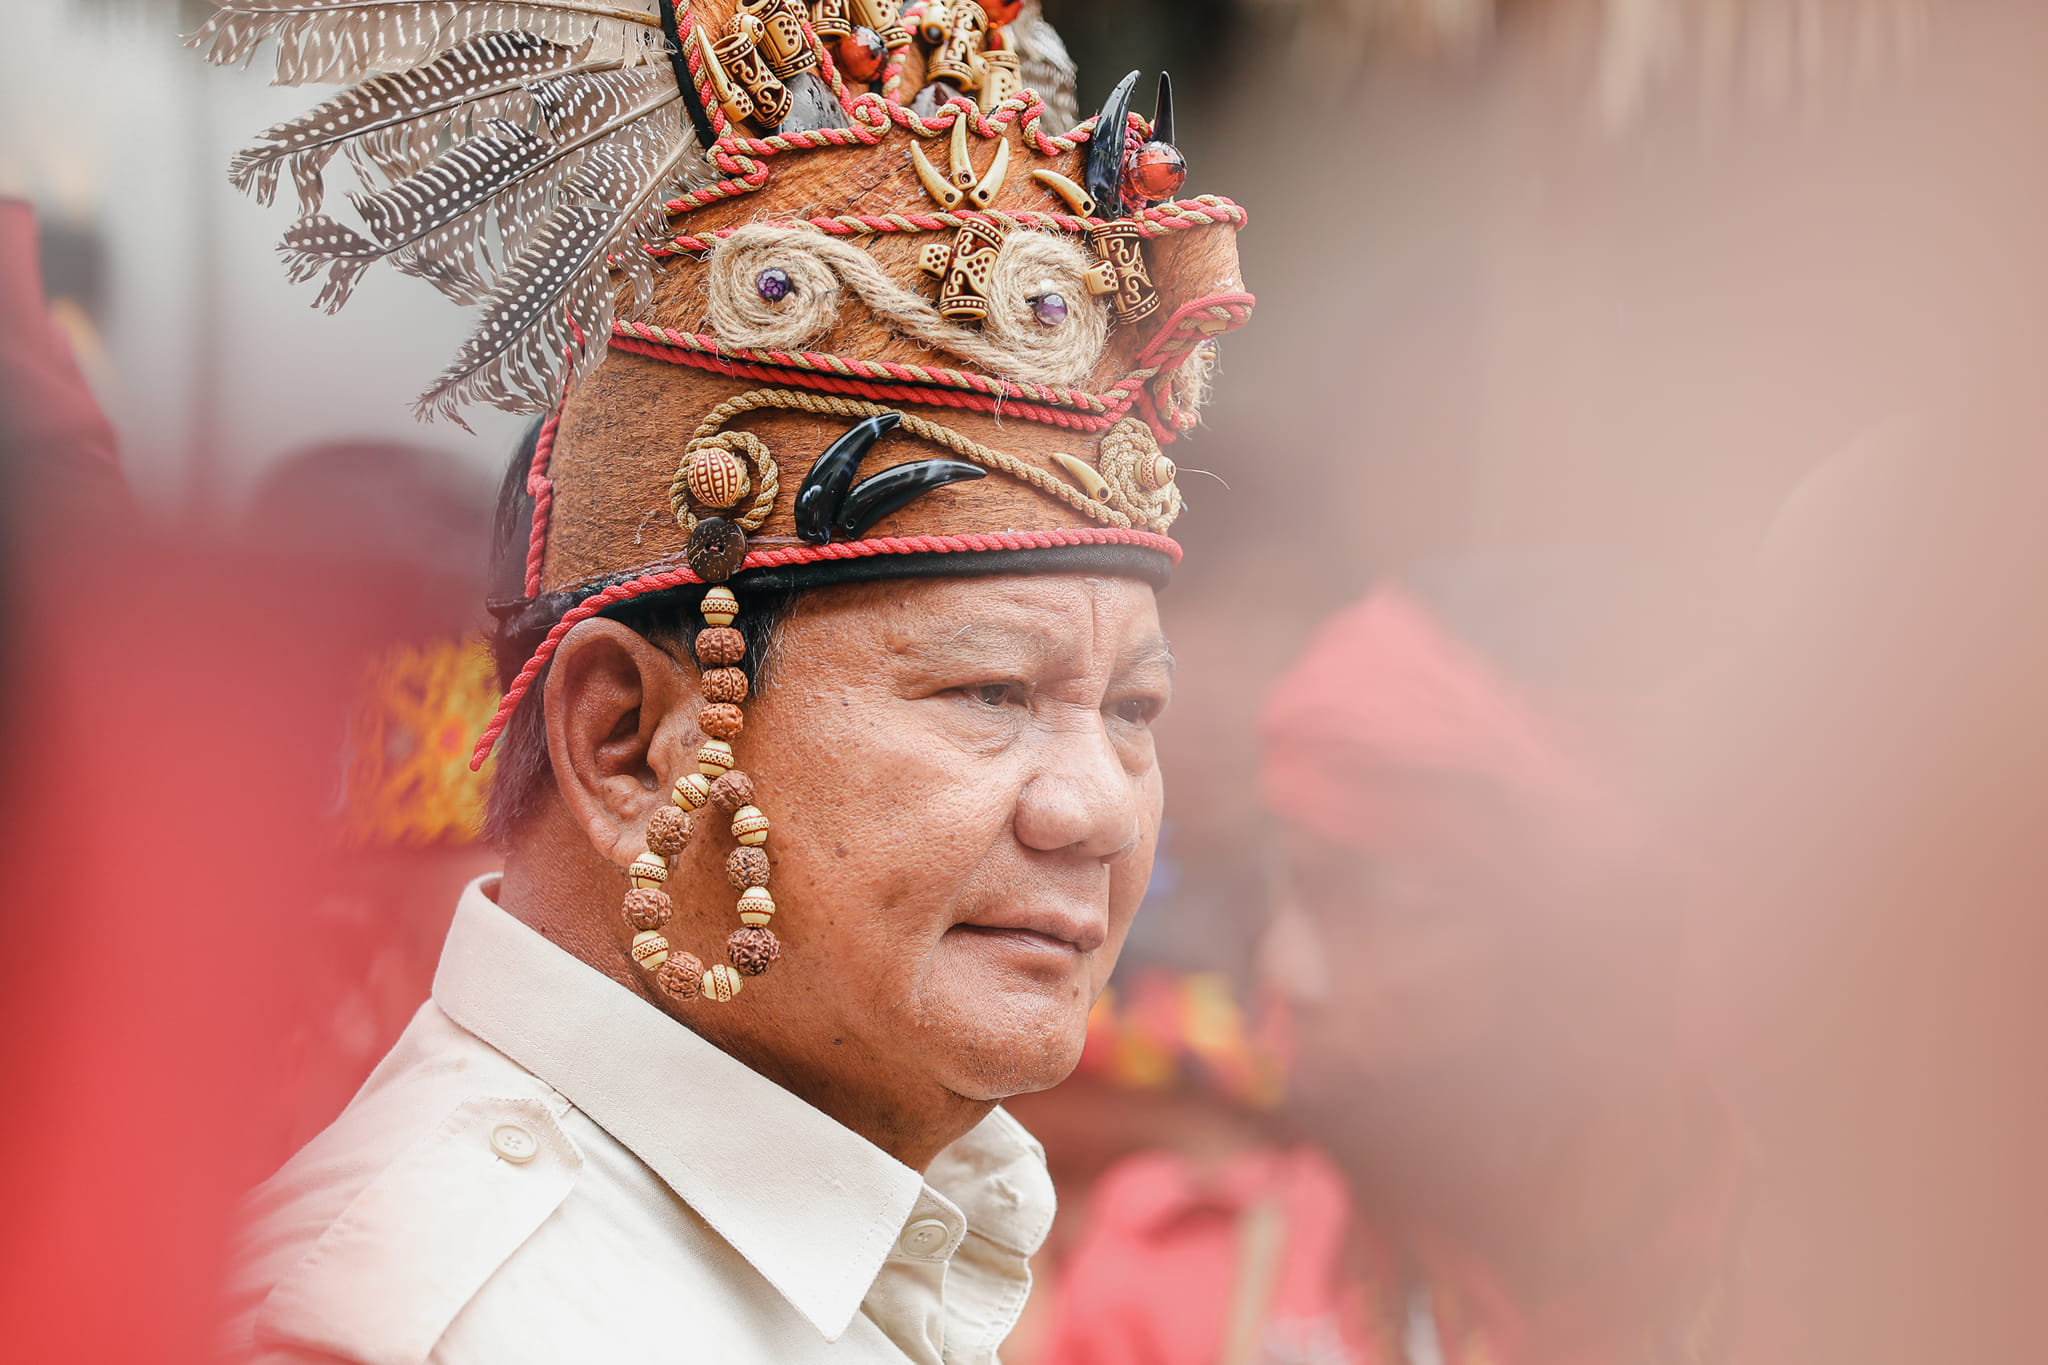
1024,621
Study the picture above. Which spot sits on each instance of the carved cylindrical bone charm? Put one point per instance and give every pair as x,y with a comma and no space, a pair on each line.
963,297
957,59
1122,249
742,62
782,36
831,20
884,17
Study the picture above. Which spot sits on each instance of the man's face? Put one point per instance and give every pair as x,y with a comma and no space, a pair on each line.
966,802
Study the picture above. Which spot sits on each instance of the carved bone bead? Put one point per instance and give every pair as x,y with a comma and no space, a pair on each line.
721,982
720,607
714,758
757,907
691,791
650,949
750,826
716,477
648,870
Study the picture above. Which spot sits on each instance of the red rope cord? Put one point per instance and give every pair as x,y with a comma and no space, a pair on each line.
799,554
542,489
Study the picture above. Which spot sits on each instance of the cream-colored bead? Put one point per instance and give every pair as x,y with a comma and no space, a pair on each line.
650,949
715,758
720,982
720,607
757,907
691,791
749,826
649,869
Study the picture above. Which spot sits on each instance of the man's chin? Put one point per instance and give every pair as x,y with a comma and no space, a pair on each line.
1015,1053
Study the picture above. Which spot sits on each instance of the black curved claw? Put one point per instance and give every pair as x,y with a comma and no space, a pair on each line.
1106,145
1162,111
893,488
826,486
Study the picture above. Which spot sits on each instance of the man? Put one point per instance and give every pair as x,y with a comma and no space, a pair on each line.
826,799
1511,1162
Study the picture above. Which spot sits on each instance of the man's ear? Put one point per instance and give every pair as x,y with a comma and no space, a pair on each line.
621,719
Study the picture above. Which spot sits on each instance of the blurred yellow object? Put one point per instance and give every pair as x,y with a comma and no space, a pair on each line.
408,781
1187,1030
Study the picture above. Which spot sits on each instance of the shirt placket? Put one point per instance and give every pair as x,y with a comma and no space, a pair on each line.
908,1299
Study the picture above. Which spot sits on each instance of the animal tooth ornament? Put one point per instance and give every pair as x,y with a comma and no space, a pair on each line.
782,329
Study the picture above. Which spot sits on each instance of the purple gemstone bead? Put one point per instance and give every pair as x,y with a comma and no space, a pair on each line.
1049,309
775,285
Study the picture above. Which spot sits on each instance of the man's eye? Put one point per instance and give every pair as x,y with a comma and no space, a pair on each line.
997,694
1138,710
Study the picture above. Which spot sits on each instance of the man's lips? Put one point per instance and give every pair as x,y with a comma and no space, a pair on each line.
1043,932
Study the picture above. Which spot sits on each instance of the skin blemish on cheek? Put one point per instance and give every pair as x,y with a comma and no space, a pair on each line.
839,850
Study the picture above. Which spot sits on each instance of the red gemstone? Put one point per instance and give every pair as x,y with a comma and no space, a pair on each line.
1154,172
1003,11
861,54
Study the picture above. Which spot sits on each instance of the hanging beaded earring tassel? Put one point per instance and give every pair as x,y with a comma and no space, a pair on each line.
716,550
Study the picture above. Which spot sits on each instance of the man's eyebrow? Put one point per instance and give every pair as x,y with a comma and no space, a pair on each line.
982,638
1153,652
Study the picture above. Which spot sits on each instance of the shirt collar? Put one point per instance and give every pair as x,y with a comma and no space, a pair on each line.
812,1205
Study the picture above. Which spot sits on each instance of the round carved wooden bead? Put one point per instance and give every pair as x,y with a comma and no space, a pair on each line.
749,826
724,684
692,791
668,831
714,758
719,607
752,950
648,870
722,720
720,982
732,791
757,907
720,646
745,867
650,949
715,477
681,975
716,549
647,908
1157,472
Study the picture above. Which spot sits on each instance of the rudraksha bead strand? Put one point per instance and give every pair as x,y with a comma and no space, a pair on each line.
717,548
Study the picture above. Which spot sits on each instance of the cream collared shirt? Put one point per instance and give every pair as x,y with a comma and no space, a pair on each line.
546,1168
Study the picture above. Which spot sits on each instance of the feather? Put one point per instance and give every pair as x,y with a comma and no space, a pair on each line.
319,243
1043,62
339,41
400,116
550,315
438,224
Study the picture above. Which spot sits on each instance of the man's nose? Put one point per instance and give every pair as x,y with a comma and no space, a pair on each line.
1083,799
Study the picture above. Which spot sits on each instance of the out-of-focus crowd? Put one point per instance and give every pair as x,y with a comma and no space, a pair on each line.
1600,921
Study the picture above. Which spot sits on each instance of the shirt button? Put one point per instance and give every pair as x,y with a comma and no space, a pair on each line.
926,1237
514,1143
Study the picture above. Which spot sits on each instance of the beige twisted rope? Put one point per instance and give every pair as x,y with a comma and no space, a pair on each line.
973,451
1126,449
1013,344
747,446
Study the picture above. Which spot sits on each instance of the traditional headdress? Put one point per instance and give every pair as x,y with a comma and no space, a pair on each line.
742,252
